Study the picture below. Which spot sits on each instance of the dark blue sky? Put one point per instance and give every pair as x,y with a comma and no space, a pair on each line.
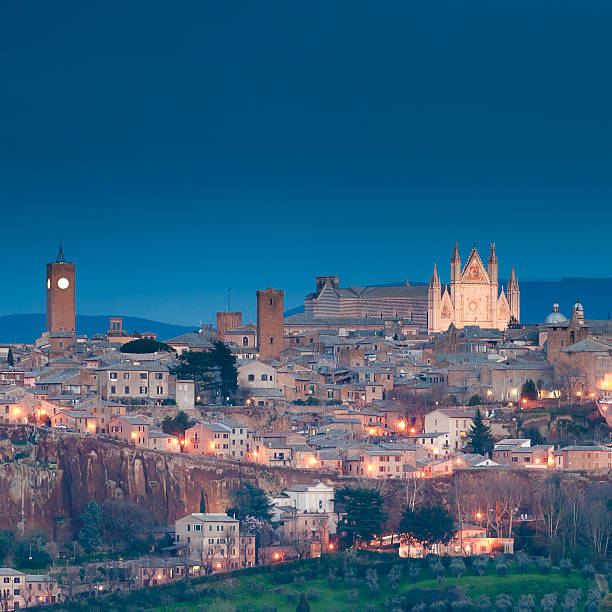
180,148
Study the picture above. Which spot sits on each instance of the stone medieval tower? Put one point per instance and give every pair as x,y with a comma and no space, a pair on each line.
60,295
227,321
270,323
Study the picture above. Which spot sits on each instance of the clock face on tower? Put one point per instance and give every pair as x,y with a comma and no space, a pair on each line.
63,283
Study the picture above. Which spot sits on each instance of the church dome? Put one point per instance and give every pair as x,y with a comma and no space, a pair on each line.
578,306
555,316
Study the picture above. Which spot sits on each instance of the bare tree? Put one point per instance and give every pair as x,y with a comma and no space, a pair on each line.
597,526
551,506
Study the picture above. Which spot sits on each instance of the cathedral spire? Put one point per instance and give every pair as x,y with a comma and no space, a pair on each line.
435,279
60,255
492,255
455,256
513,276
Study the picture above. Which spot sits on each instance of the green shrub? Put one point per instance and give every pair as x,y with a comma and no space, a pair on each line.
565,565
457,567
592,601
503,602
501,566
548,603
544,565
588,571
313,595
522,562
483,603
527,602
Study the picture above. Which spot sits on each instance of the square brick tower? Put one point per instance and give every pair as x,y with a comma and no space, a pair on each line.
60,295
227,320
270,323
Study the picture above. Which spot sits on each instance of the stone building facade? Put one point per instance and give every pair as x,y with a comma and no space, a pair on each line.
330,301
473,297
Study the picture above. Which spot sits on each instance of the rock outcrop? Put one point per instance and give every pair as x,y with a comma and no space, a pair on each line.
47,479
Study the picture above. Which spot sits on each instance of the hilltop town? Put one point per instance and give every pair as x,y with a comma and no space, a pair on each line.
242,444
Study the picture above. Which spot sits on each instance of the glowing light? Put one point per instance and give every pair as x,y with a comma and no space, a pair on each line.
331,546
248,402
524,401
458,460
276,556
372,431
312,461
489,392
510,404
218,566
159,576
479,515
134,434
183,442
435,451
401,425
467,547
255,454
212,445
550,461
579,393
16,411
370,468
412,430
91,426
591,395
422,474
175,441
537,461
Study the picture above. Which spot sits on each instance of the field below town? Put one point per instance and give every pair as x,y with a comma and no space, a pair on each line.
262,593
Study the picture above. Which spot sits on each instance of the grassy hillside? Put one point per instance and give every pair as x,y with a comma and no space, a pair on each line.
367,582
262,593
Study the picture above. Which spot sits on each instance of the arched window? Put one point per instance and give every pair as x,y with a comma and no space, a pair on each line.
245,341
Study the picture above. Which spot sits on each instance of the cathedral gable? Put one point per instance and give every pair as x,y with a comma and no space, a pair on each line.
503,308
446,307
474,270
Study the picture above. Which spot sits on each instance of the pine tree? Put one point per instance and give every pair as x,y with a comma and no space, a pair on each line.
479,435
9,358
202,502
90,535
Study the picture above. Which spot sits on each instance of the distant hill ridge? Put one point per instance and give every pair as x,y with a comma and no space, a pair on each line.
27,327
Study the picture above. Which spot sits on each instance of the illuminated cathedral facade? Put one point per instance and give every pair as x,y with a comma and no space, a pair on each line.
473,296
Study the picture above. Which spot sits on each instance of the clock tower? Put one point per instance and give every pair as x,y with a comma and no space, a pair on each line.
60,295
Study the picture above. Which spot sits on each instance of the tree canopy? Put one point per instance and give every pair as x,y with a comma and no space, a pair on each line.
214,369
475,400
529,390
178,424
250,500
479,435
428,525
363,507
90,535
145,345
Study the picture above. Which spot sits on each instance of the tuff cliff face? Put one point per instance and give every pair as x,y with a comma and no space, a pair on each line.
46,478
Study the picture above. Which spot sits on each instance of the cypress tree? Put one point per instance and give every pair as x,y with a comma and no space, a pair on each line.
479,435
